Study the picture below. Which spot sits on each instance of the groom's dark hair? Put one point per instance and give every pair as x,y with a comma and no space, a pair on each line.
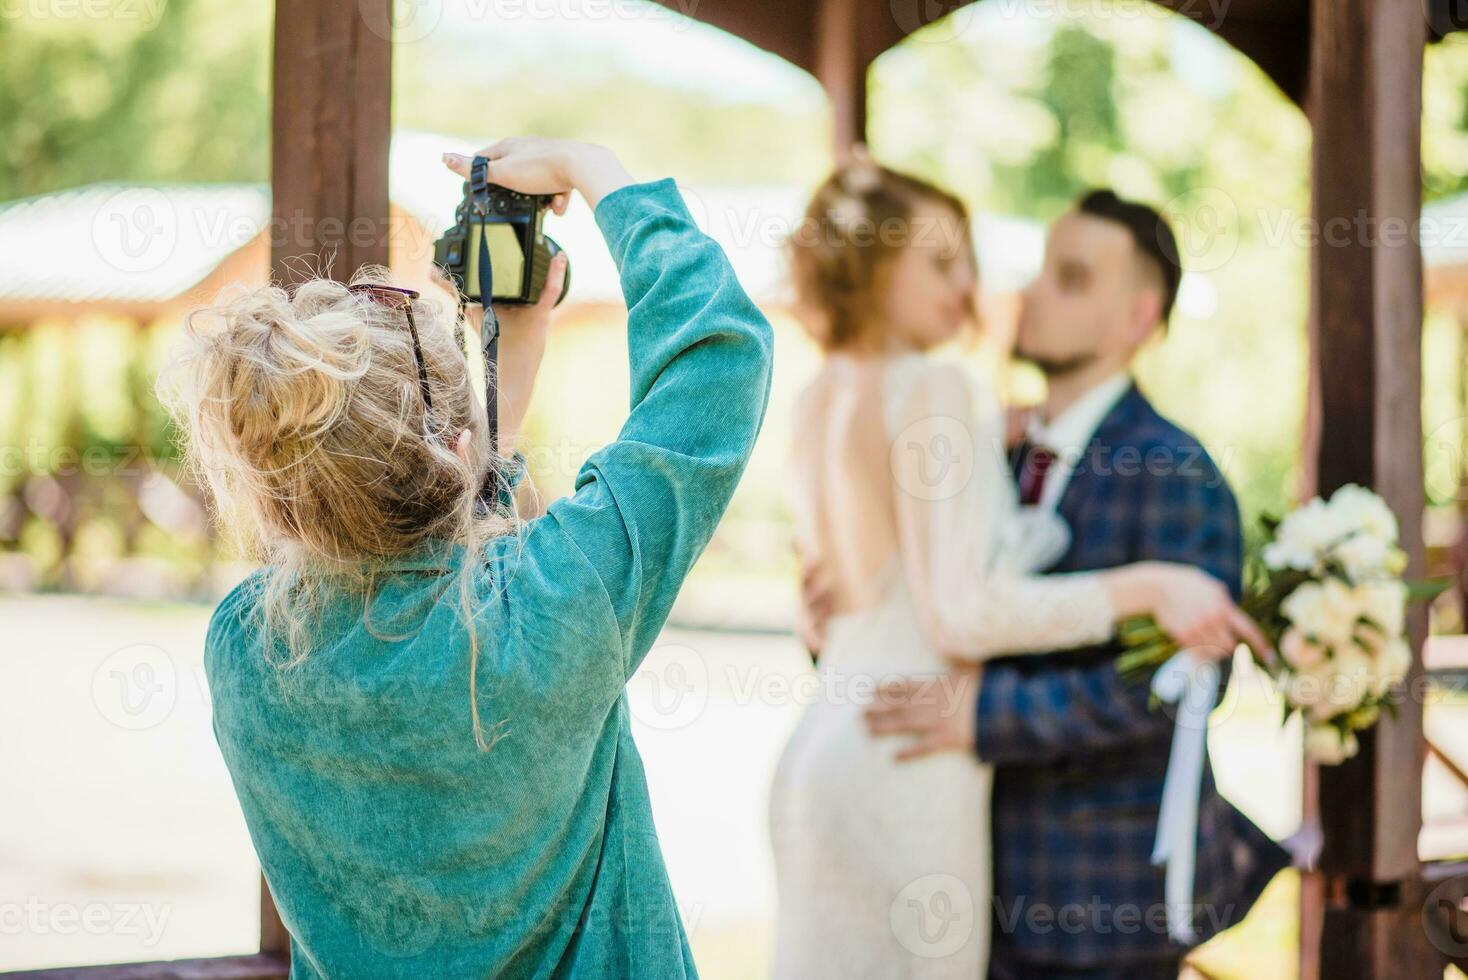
1149,231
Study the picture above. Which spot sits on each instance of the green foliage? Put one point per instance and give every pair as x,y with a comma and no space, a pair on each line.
155,92
1020,121
1016,113
451,84
1445,118
1080,91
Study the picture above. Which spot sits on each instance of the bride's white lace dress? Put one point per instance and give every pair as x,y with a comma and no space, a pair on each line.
902,492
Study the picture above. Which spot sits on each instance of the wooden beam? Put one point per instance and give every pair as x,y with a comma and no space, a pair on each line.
1281,48
1365,104
842,71
330,131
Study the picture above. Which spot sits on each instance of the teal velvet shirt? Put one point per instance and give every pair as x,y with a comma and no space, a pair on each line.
395,847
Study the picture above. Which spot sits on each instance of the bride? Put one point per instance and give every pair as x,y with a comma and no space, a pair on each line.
903,497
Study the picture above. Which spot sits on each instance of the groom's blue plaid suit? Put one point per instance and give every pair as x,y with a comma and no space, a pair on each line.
1080,755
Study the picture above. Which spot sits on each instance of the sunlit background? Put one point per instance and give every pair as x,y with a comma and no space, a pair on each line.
107,563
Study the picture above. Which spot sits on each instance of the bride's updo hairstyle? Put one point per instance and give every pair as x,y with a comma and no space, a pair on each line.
302,412
860,218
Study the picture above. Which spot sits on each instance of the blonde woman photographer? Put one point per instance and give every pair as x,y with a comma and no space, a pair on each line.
421,703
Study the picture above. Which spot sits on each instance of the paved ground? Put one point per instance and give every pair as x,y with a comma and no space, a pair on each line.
120,838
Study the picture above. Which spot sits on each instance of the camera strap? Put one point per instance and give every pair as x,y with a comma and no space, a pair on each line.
490,330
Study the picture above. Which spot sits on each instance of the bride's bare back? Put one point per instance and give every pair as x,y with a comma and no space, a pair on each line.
845,520
899,473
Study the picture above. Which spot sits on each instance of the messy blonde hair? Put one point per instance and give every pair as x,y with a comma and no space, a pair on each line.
302,412
859,218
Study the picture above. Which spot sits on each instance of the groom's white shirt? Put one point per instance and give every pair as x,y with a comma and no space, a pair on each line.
1070,432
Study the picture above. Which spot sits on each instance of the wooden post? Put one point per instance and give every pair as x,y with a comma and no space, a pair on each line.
330,131
274,939
1366,105
842,70
1312,885
331,127
1459,550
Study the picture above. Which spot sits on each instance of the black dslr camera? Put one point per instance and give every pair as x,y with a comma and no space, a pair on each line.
497,244
496,255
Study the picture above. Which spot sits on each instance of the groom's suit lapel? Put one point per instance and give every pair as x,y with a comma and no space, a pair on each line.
1117,429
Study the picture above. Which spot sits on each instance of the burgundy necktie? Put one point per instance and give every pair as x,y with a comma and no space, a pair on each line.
1033,470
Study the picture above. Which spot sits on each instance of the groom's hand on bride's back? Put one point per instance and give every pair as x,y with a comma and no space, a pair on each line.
936,713
817,604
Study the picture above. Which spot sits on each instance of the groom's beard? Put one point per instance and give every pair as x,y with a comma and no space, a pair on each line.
1059,367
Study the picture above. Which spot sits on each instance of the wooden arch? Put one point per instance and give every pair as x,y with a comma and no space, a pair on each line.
1355,65
837,40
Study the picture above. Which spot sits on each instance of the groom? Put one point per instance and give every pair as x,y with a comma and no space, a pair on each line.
1079,755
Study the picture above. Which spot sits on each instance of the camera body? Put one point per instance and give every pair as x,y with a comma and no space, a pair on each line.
496,254
510,225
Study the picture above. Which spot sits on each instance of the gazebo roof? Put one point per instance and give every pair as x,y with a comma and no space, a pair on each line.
1272,33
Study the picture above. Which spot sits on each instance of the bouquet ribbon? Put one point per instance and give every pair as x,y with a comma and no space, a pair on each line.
1192,685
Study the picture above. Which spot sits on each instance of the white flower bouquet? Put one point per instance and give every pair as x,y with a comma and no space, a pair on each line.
1328,593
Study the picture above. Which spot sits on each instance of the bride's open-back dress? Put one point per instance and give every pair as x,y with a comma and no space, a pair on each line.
902,494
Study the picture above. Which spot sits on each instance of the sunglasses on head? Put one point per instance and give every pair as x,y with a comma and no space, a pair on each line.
400,297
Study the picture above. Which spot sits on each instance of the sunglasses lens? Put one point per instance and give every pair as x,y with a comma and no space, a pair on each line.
386,295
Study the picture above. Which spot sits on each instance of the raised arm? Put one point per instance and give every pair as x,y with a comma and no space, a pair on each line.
645,506
954,506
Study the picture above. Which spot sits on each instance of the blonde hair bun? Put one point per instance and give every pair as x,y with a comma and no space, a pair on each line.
302,412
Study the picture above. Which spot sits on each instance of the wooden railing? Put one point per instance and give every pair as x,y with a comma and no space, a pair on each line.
254,966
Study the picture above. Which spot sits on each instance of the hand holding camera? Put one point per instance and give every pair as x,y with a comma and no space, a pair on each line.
537,165
497,251
497,255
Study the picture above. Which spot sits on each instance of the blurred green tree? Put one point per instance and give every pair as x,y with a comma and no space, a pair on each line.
1020,115
177,92
1445,118
1080,91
